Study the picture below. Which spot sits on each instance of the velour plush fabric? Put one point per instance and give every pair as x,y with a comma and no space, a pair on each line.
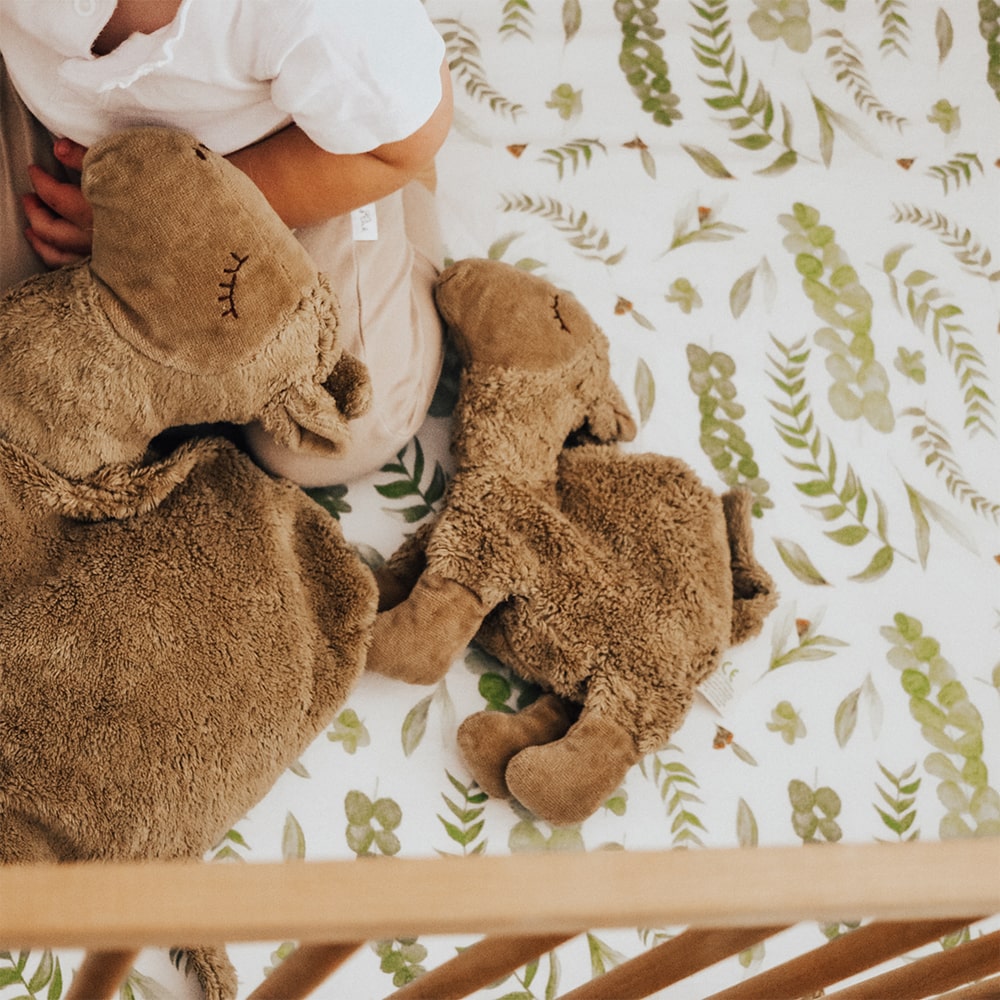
176,626
613,580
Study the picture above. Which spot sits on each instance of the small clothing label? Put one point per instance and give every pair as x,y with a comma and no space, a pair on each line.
717,690
364,224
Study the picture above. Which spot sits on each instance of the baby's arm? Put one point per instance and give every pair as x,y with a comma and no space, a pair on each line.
303,182
59,218
306,184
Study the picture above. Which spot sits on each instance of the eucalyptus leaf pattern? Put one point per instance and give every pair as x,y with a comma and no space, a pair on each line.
785,215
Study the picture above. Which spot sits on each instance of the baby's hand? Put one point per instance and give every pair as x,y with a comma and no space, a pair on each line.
60,222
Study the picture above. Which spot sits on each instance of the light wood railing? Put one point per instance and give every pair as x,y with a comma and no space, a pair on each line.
523,906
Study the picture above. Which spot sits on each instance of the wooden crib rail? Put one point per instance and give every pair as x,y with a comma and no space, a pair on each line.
523,904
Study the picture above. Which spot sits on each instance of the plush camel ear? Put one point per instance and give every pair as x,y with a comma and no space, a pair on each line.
312,417
609,419
306,418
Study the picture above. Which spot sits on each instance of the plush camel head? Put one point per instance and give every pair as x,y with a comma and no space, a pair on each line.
535,369
202,308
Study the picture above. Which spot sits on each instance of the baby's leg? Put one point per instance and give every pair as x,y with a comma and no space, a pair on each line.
23,140
388,320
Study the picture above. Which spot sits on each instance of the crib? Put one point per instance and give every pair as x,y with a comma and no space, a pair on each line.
784,216
727,900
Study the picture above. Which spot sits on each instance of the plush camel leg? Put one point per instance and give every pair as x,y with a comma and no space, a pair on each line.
567,781
488,740
420,637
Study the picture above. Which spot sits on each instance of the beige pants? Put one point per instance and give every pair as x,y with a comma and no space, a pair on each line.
384,287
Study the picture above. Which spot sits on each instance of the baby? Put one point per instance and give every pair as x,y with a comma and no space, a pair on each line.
334,108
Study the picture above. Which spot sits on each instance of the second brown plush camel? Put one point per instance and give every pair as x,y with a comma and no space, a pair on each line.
613,580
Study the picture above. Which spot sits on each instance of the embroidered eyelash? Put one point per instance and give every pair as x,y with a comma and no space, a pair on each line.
230,286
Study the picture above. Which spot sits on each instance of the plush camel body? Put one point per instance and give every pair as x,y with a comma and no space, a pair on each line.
613,580
176,626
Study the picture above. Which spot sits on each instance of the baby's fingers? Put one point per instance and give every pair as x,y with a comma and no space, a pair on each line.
53,238
70,154
65,200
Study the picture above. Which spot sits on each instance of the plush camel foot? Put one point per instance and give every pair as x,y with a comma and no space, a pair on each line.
567,781
418,639
488,740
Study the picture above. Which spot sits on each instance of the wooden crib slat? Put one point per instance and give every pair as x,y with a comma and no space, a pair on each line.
304,970
100,974
92,906
986,989
933,974
670,962
479,965
843,957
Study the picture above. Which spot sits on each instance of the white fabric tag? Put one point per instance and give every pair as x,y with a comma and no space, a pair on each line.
717,689
364,224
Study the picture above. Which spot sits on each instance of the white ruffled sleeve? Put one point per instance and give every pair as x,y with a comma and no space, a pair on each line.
355,74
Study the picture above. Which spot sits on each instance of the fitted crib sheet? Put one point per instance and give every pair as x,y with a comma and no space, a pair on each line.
784,214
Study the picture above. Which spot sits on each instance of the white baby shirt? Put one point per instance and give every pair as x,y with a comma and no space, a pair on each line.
353,74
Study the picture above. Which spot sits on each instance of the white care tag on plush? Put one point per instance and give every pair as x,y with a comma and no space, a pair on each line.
364,224
717,689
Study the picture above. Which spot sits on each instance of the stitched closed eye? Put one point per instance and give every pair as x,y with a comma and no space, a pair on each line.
229,298
558,315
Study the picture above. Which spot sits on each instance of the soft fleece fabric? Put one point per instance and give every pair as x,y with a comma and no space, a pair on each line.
613,580
176,626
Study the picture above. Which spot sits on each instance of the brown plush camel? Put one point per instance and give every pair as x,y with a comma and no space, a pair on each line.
175,625
613,580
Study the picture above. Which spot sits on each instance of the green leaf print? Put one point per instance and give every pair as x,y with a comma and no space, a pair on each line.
860,385
945,116
528,835
932,439
742,290
814,812
899,812
845,719
572,155
797,640
848,67
895,27
708,162
844,497
517,20
331,499
784,20
349,731
410,484
684,295
968,250
701,227
798,562
229,847
641,60
786,721
602,956
293,840
45,981
917,296
722,439
956,171
466,826
676,782
939,703
566,101
371,824
572,18
989,28
588,240
401,958
465,63
944,32
750,112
